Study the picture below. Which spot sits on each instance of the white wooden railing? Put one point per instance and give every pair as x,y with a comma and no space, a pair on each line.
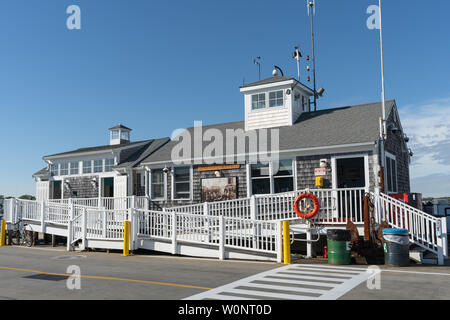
250,224
425,230
219,231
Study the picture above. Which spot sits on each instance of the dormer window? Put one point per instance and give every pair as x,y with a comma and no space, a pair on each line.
276,99
258,101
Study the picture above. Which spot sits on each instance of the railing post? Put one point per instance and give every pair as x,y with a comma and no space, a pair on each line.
133,202
442,241
133,228
253,216
279,243
221,237
165,224
69,226
43,205
174,233
444,237
84,228
105,224
206,214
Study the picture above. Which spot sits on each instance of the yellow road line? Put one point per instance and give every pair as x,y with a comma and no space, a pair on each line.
108,278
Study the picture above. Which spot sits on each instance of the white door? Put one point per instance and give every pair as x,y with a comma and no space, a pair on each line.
42,190
120,192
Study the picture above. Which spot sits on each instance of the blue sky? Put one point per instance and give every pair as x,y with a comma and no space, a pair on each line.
159,65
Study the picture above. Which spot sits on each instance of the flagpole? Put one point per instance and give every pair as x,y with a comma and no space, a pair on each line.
382,75
383,120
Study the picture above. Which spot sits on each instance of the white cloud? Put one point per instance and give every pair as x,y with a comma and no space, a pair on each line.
428,126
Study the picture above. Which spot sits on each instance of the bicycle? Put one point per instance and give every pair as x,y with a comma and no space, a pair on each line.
20,236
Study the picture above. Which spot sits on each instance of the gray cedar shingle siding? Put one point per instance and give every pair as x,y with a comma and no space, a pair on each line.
240,174
82,185
395,146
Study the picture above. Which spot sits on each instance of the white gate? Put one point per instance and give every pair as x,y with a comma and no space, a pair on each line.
42,190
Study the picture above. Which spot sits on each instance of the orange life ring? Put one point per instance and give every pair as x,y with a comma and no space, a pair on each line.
305,215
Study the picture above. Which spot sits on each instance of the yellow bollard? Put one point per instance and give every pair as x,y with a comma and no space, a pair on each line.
286,243
126,238
3,233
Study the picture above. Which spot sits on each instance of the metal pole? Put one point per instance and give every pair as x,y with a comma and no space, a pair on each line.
383,105
313,53
382,76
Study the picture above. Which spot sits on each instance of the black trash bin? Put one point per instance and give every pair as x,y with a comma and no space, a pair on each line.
396,247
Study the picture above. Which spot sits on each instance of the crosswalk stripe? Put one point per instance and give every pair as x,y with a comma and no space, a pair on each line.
293,282
289,280
315,275
275,287
344,272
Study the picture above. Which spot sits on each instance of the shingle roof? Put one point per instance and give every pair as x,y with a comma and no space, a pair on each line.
272,80
41,172
135,159
98,148
119,126
331,127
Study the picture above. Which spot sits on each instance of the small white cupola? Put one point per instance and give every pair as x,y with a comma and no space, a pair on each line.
119,135
275,102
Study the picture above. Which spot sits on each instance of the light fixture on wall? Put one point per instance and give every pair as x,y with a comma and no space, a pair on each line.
323,163
94,182
218,174
67,185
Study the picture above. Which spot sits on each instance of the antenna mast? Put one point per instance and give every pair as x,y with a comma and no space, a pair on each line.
311,5
257,61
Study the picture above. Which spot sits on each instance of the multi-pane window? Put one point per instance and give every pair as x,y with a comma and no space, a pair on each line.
98,165
157,184
182,183
54,170
258,101
74,167
87,166
391,174
109,163
64,169
280,180
260,178
125,135
283,180
115,134
276,99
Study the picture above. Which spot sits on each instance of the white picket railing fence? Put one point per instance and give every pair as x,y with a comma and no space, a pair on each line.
425,230
222,232
249,224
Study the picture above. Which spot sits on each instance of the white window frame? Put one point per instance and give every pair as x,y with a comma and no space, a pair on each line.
112,165
164,197
394,158
271,177
71,168
61,168
190,183
57,169
91,167
265,101
102,166
356,155
276,98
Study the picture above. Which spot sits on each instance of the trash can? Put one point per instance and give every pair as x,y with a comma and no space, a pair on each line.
396,247
338,243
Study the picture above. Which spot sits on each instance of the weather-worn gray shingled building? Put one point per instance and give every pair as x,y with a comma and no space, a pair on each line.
208,163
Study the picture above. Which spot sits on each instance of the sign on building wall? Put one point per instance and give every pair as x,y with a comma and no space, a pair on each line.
319,172
219,189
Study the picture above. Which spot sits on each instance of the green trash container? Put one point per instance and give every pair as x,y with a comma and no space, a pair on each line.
338,243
